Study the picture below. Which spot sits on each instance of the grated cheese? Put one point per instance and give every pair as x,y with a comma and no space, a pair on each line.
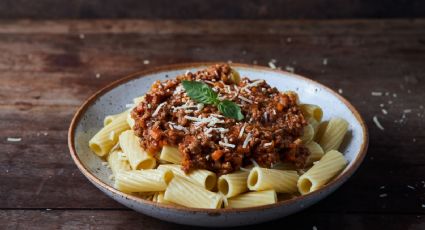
247,139
242,130
411,187
375,120
268,144
245,99
252,84
290,68
378,94
272,65
265,116
407,111
210,121
340,91
383,195
14,139
226,144
158,108
384,111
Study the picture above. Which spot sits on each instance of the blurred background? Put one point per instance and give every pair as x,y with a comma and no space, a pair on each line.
215,9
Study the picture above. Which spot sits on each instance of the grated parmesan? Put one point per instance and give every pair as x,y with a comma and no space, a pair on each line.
384,111
245,99
226,144
407,111
377,94
272,65
242,130
157,109
375,120
268,144
247,139
383,195
14,139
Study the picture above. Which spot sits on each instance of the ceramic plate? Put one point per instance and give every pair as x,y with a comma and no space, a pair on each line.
113,98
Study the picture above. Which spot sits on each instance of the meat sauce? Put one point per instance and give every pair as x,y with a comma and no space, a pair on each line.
270,131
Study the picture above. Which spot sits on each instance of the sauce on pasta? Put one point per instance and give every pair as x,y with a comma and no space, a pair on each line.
269,132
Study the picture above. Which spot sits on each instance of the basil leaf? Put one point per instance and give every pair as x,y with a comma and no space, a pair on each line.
200,92
230,109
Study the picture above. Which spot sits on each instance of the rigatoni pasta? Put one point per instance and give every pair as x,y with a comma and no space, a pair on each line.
281,181
171,154
252,199
321,172
186,193
107,137
202,177
116,162
233,184
151,180
138,158
334,134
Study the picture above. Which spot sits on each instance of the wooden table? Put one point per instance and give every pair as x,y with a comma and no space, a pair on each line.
48,68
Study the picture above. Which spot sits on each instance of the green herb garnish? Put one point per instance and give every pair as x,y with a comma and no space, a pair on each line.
202,93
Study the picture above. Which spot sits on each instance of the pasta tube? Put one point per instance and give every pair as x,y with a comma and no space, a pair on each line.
116,162
308,134
186,193
150,180
171,154
313,111
108,119
333,134
281,181
314,123
131,122
159,198
201,177
252,199
107,137
321,172
233,184
316,152
138,157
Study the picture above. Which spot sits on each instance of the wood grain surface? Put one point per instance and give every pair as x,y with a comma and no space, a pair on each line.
211,9
48,68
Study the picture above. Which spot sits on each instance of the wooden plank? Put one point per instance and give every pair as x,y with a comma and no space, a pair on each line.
122,219
48,70
192,9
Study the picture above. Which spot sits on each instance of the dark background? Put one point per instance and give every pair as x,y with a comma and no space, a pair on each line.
216,9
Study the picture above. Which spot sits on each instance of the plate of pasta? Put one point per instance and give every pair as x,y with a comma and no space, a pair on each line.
211,144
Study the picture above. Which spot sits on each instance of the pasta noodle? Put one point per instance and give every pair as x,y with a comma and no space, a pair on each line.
308,134
232,184
151,180
108,119
138,158
278,180
333,134
313,111
320,130
321,172
171,154
159,198
107,137
252,199
117,163
202,177
186,193
316,152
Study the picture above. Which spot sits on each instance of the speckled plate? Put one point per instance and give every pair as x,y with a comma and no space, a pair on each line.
113,98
